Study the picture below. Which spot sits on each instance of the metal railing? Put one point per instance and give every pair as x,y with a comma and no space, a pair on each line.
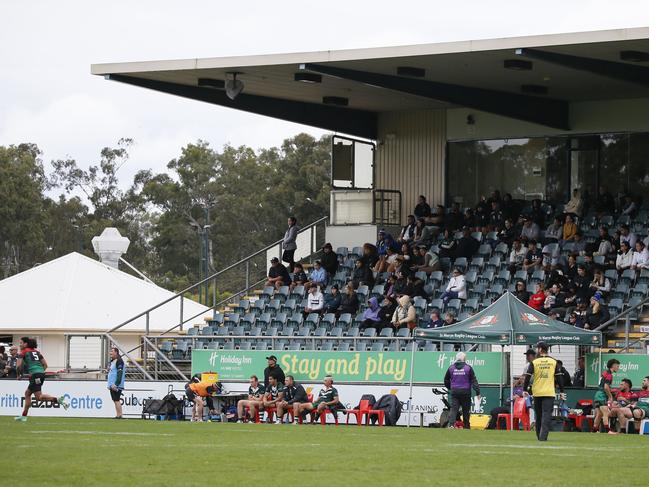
387,207
626,315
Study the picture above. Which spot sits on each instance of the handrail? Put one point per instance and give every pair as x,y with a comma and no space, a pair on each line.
641,339
180,294
157,351
622,314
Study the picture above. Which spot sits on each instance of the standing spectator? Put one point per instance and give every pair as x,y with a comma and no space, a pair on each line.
640,258
278,276
456,288
332,300
371,318
569,229
530,231
289,244
466,245
349,301
408,230
628,235
579,378
554,232
405,314
12,361
538,298
318,275
329,260
624,257
314,300
422,210
460,379
575,205
273,370
520,291
116,379
543,370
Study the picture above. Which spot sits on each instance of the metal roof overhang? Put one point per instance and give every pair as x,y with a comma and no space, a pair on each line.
574,67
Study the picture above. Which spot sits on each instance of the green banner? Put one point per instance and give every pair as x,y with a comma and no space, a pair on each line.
391,367
633,367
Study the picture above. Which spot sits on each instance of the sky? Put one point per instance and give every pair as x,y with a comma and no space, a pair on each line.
49,97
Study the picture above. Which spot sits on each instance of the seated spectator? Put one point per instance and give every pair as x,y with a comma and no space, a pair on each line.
438,219
370,255
329,260
447,246
550,299
385,242
538,298
278,275
407,234
318,275
560,369
3,361
517,256
362,275
415,287
520,291
327,399
509,208
470,220
507,234
569,229
294,395
536,214
371,318
405,314
533,258
466,245
386,262
348,301
388,307
255,401
600,283
628,235
575,205
482,217
496,217
400,286
424,235
629,207
578,243
274,395
603,245
456,288
332,300
624,258
550,257
406,253
434,321
597,313
429,261
530,231
454,218
299,276
449,318
554,232
565,300
640,258
582,283
422,210
580,313
314,300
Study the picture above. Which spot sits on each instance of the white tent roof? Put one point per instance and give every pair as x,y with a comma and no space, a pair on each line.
75,293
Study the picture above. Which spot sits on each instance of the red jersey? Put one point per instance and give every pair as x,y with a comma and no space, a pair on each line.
624,398
536,301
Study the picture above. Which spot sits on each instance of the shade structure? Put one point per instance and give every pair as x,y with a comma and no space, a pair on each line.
509,321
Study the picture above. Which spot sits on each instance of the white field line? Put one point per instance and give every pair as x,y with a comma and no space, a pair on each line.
117,433
542,447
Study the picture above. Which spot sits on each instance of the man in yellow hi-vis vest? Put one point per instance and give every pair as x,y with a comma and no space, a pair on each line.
546,375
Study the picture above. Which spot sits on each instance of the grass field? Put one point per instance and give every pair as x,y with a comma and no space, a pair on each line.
55,451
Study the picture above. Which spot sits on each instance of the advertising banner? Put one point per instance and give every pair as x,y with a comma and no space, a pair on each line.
633,367
369,367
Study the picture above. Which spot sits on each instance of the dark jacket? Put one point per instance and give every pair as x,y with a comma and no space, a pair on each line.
331,302
349,304
422,210
329,261
579,379
466,247
295,393
277,372
280,271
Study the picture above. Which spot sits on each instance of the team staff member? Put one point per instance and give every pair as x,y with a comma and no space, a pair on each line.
256,392
459,379
327,399
604,396
195,392
116,378
273,369
294,394
31,362
543,370
274,395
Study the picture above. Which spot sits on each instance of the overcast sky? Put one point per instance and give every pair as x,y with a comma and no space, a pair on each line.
48,96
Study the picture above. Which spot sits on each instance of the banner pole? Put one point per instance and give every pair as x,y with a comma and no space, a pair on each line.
412,366
511,387
502,366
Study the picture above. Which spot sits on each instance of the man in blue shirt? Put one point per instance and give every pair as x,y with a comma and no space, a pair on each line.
116,378
318,275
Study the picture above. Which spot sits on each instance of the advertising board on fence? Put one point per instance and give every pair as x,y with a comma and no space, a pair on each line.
633,367
430,367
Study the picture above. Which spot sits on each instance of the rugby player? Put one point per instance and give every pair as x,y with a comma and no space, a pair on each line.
621,408
604,397
31,362
274,396
327,398
641,408
255,400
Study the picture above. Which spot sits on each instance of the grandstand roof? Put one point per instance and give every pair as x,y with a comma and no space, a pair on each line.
574,67
77,293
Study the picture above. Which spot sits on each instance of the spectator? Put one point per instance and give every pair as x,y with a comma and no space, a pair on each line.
429,261
597,313
448,245
314,300
449,319
565,300
554,232
603,245
387,310
579,378
570,270
278,276
624,258
629,207
456,288
578,243
550,299
460,379
628,235
600,283
299,276
435,320
289,244
274,396
370,255
408,231
371,318
536,213
3,361
530,231
438,218
481,216
507,233
550,257
349,301
424,234
575,205
422,210
386,262
496,217
533,257
561,370
640,258
569,229
362,275
582,283
12,361
520,291
332,300
466,245
580,313
294,394
538,298
517,256
385,242
415,287
454,218
405,314
470,220
273,370
318,275
329,260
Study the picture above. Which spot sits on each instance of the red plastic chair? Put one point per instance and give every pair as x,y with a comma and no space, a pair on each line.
521,414
309,398
323,416
365,410
247,411
581,418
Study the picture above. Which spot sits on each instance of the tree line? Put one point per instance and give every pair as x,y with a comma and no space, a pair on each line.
249,194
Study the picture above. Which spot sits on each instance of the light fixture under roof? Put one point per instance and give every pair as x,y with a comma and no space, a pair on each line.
335,100
517,64
411,71
305,77
211,83
534,89
634,56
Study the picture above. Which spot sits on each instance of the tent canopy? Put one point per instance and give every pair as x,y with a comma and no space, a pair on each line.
509,321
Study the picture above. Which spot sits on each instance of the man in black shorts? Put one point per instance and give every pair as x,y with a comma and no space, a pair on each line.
116,378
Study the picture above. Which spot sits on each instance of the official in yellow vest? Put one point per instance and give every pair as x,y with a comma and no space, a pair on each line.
546,376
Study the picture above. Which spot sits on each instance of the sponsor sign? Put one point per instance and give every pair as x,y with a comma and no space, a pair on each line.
360,367
633,367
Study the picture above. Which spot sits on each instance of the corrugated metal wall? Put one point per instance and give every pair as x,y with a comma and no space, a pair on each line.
410,156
